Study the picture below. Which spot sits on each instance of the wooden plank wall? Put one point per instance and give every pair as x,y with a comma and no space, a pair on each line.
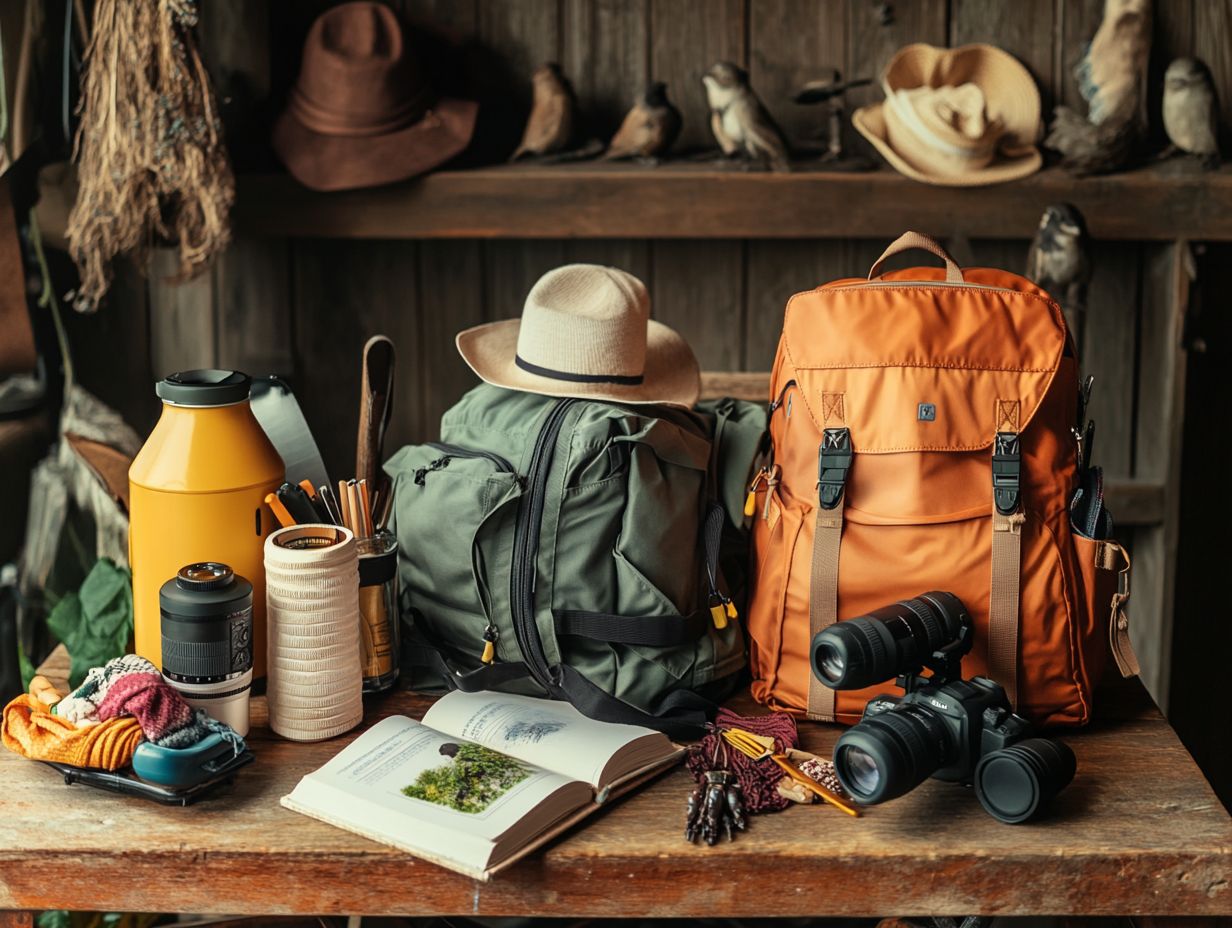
303,308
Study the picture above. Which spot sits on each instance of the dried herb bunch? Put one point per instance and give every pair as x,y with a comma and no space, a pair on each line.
151,160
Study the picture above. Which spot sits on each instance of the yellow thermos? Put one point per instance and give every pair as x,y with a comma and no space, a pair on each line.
197,493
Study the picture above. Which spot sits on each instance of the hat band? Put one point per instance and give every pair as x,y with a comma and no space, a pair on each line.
334,122
631,380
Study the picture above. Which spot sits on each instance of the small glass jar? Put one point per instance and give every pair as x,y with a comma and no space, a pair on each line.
378,610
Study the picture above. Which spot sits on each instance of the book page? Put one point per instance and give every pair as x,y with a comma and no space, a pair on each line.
546,732
419,787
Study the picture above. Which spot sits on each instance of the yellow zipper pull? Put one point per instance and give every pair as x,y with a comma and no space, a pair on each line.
718,612
750,501
730,608
489,645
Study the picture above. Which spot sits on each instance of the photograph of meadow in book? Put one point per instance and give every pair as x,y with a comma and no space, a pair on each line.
473,778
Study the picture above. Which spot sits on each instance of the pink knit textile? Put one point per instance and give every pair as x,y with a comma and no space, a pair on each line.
758,778
151,700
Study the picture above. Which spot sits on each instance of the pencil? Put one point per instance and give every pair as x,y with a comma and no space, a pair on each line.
344,504
357,516
366,506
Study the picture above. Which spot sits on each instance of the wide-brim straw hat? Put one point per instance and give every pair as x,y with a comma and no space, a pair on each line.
923,150
361,113
586,331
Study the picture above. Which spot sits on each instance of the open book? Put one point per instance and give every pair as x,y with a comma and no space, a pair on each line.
483,780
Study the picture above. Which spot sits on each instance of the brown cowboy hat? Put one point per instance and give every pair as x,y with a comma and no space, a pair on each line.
586,331
956,117
361,114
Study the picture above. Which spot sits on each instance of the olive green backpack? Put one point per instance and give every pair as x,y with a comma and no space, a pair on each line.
572,548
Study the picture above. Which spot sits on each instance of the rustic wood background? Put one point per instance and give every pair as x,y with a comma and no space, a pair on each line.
303,307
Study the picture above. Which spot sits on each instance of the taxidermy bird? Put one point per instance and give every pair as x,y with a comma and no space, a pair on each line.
1112,79
649,129
550,126
1190,111
1059,259
741,124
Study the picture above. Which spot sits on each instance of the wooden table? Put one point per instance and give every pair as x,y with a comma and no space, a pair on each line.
1139,832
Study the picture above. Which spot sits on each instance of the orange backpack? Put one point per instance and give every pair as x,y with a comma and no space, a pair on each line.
897,403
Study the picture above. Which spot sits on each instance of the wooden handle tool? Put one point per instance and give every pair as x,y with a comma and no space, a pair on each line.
376,403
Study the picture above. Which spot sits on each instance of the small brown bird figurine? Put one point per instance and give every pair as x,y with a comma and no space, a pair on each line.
550,126
741,124
1059,260
649,129
1190,110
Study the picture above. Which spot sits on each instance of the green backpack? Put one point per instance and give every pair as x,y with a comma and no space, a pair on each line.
578,544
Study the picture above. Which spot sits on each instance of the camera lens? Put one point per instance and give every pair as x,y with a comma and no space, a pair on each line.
862,768
831,664
888,641
889,754
206,618
1016,784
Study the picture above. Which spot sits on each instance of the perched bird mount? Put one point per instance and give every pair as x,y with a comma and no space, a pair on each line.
649,129
741,124
832,90
1112,79
1059,260
553,114
1191,111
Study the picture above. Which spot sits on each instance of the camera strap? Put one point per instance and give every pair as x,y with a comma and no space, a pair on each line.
833,464
1007,522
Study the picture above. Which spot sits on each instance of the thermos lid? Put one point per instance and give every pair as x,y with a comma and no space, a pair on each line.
205,387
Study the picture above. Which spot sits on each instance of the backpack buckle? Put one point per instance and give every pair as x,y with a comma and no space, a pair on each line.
833,463
1006,472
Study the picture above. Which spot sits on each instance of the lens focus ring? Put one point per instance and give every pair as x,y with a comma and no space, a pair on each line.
197,658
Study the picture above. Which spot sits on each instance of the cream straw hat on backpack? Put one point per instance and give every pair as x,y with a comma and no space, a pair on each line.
586,331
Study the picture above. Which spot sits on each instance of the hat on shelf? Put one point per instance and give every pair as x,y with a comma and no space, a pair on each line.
961,117
361,113
586,331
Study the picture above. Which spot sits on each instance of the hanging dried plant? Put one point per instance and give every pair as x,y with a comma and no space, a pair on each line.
151,160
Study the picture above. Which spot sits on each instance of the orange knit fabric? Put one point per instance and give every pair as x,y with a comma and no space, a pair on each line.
31,730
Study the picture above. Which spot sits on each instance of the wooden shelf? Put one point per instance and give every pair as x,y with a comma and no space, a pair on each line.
692,199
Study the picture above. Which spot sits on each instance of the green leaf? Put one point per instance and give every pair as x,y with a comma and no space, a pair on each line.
96,623
27,669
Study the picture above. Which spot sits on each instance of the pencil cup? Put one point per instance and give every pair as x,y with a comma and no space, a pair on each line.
378,610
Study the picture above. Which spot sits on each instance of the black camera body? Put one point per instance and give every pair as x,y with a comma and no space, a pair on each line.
975,712
943,726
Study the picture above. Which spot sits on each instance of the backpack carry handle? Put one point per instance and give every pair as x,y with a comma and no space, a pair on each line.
909,240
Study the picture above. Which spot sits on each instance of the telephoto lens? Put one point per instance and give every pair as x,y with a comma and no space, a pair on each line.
206,616
891,753
889,641
1017,783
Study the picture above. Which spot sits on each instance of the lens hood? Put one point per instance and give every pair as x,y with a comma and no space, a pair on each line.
1017,783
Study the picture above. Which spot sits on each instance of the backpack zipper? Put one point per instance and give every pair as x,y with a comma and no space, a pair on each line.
779,402
892,284
457,451
525,567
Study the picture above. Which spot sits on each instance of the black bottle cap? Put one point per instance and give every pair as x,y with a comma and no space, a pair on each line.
205,387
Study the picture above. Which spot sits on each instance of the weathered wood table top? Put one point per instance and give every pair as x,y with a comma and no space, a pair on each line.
1138,832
